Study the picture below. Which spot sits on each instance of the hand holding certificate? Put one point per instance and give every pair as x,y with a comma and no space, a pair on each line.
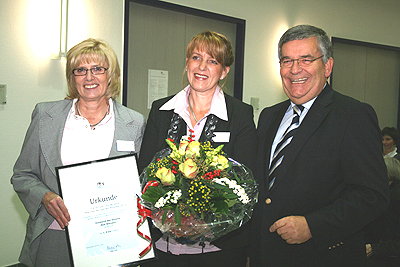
101,199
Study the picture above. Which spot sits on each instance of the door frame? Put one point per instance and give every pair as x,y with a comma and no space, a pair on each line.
239,49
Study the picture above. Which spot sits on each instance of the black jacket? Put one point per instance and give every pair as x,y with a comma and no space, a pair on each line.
333,174
241,147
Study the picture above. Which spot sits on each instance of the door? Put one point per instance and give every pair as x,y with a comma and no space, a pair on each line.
369,73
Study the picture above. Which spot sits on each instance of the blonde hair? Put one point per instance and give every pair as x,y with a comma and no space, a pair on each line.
97,51
214,44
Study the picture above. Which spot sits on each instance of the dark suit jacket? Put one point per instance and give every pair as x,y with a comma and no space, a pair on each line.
333,174
241,146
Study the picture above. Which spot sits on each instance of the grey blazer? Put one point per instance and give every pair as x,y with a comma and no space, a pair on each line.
34,172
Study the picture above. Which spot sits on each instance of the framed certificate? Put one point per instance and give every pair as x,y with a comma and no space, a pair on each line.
101,197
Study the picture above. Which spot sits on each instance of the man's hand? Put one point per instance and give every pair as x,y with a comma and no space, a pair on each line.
55,207
293,229
368,247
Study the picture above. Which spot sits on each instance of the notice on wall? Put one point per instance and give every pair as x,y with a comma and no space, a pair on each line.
157,85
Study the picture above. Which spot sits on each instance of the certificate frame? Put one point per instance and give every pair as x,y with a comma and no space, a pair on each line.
101,198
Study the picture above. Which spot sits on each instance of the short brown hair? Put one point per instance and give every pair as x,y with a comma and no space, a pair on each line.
393,133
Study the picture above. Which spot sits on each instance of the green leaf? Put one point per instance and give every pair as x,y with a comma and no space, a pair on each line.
191,209
218,196
230,203
231,196
219,148
220,206
230,167
215,185
164,217
153,194
235,175
171,144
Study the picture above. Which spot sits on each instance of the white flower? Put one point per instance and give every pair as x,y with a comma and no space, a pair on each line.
170,197
175,197
237,189
160,202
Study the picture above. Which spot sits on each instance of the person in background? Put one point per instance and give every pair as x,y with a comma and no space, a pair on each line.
85,126
203,111
384,232
390,139
320,182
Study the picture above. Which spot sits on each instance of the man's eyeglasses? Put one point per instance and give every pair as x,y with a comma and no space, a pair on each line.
303,62
94,71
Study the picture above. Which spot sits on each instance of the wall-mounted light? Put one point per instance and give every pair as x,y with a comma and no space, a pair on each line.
50,32
63,29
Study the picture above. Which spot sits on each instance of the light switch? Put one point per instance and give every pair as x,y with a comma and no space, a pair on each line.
3,94
254,101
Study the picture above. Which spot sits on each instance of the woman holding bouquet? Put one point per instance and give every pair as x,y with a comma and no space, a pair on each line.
203,112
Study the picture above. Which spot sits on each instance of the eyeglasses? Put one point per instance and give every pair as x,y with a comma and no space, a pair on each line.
94,71
303,62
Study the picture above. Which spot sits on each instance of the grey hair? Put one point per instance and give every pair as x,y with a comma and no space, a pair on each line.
301,32
393,169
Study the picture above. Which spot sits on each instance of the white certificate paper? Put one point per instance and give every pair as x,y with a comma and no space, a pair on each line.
101,199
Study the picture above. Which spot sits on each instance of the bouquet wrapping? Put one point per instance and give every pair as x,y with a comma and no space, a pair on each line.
195,193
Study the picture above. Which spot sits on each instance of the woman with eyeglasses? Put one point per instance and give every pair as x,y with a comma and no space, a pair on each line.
83,127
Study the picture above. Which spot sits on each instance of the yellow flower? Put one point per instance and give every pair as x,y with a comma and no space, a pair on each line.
166,176
188,168
193,149
182,146
175,155
221,162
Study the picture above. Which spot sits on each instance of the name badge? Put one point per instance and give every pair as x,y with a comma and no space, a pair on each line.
125,146
221,137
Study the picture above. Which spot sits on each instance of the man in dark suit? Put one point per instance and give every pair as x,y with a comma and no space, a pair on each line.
329,181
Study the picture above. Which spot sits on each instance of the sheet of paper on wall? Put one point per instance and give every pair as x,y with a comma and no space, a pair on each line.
157,85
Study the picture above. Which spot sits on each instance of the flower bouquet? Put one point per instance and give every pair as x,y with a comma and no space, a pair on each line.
195,193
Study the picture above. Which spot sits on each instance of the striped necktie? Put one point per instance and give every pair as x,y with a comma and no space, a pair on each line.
286,138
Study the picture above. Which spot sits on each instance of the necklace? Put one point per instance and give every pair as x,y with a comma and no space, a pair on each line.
192,111
93,125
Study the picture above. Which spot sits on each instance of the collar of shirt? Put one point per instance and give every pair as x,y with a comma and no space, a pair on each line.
287,120
289,112
107,118
391,154
179,103
81,143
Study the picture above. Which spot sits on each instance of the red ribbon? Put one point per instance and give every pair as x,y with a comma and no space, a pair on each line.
144,213
149,183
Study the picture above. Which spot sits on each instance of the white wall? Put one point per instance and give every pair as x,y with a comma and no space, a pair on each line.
26,30
32,77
